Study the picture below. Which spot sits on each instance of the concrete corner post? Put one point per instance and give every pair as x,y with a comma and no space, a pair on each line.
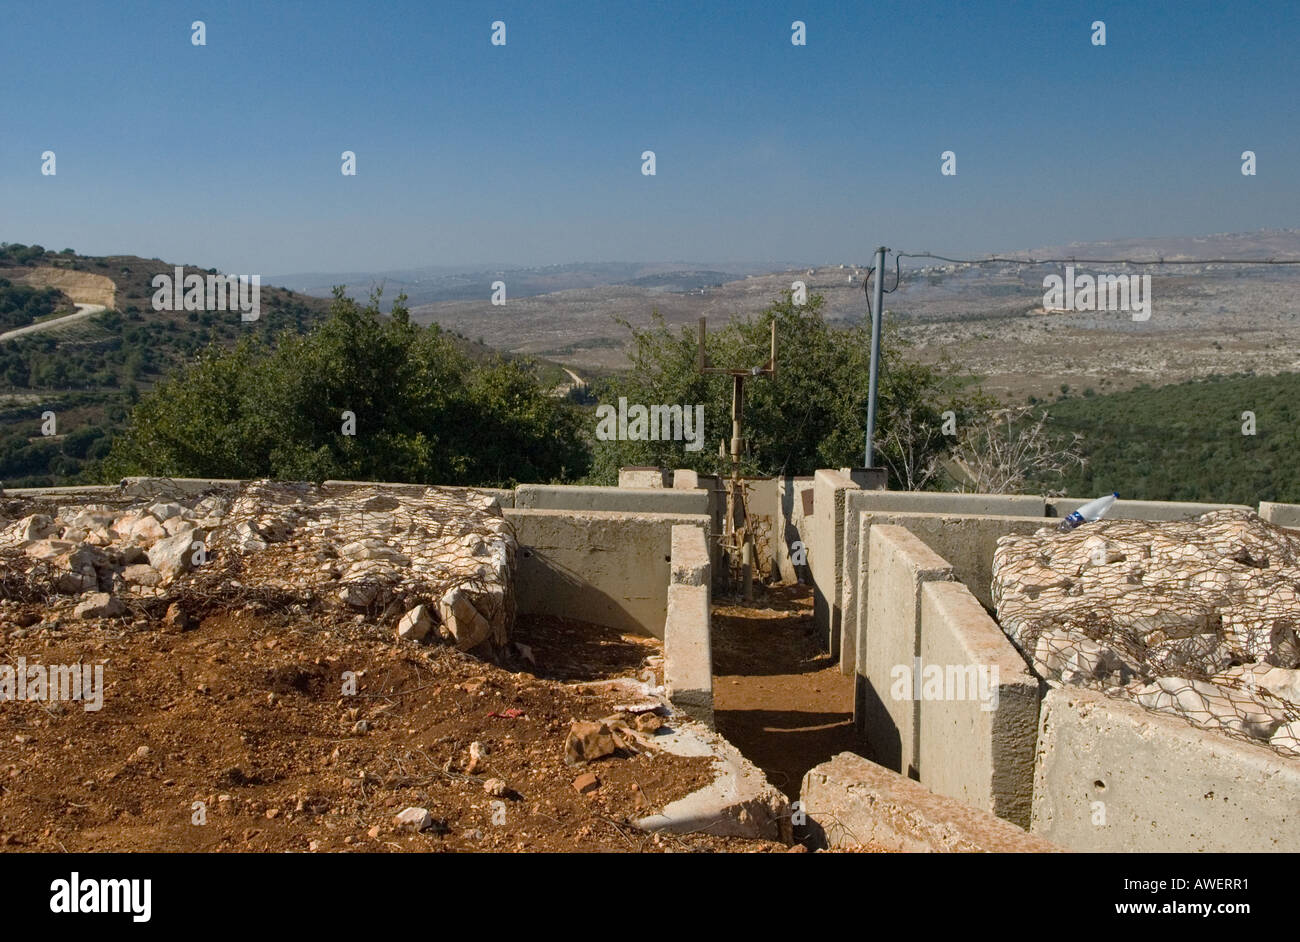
688,658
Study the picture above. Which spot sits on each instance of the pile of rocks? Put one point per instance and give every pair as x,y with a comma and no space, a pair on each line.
434,562
1199,617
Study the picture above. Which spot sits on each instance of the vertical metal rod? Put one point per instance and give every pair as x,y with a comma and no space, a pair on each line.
877,316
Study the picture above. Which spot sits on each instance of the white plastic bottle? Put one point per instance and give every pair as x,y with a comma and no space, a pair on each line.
1093,510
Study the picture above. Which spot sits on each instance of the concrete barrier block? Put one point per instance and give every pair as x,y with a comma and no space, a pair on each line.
852,553
825,559
690,557
871,479
688,662
899,564
684,479
653,500
688,658
1112,776
793,528
859,574
966,541
598,566
180,487
976,742
851,802
1141,509
943,525
505,496
1284,515
956,504
643,477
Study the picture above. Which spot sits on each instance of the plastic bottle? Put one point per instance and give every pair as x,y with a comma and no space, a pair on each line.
1093,510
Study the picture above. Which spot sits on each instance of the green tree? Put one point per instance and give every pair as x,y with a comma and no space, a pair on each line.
424,411
811,414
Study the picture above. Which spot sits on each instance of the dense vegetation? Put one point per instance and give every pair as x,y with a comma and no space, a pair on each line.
15,253
91,372
810,415
424,411
1185,442
20,304
34,460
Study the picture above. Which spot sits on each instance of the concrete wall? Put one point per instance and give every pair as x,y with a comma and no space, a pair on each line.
794,495
966,541
825,556
158,487
688,658
762,504
684,479
976,744
1141,509
903,506
1284,515
70,491
973,735
900,564
643,477
598,566
654,500
505,497
852,802
1162,784
944,502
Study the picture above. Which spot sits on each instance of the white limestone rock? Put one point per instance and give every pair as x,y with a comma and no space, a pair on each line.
415,625
175,554
147,530
33,527
143,575
99,605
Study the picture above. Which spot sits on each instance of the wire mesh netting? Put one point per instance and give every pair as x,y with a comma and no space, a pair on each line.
1197,618
379,551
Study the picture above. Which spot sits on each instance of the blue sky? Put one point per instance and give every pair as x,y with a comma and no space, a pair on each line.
228,154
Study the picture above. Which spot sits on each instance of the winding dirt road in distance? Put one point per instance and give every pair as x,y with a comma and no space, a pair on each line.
83,311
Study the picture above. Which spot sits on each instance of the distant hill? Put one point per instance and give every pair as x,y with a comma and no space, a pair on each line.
89,371
434,284
1263,243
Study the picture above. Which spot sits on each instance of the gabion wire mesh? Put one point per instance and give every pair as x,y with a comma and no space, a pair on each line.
1197,618
269,546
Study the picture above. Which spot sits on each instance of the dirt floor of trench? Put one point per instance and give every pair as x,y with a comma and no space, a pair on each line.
778,697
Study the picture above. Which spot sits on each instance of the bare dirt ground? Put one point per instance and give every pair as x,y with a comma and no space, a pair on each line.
82,287
246,715
777,696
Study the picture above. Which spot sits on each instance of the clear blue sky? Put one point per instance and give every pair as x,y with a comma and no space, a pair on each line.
228,154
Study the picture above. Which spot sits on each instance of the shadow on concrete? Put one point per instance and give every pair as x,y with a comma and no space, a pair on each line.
785,744
875,722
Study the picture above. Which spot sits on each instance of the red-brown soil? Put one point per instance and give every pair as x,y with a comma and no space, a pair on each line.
246,714
777,695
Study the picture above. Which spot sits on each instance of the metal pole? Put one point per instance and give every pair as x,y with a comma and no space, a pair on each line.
877,315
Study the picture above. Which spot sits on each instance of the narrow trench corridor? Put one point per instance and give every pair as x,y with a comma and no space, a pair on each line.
778,697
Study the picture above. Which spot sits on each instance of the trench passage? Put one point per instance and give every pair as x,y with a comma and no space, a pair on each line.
777,696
